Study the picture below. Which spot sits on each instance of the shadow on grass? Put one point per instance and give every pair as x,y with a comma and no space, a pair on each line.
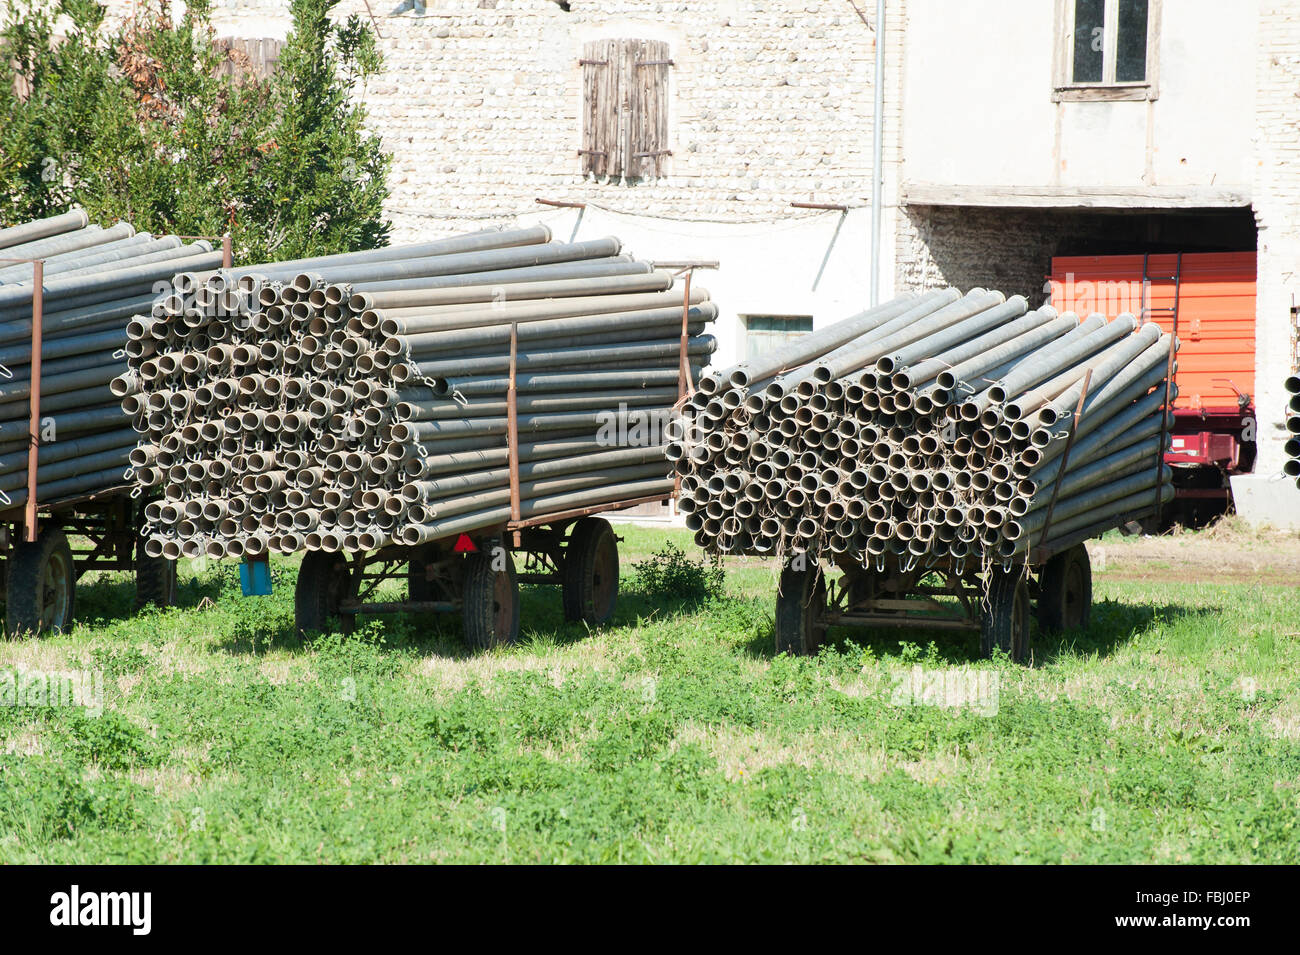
107,599
110,597
1114,623
261,628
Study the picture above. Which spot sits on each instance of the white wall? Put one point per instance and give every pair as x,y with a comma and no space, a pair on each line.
816,264
978,109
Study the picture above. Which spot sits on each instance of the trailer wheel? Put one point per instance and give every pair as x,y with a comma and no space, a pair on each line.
1065,591
799,609
1005,620
324,582
41,586
155,579
589,585
491,602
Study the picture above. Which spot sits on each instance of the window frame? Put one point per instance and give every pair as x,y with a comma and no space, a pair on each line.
1108,90
747,317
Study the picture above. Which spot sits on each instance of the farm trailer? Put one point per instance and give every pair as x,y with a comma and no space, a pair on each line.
1207,301
997,602
46,555
417,413
474,574
936,445
67,290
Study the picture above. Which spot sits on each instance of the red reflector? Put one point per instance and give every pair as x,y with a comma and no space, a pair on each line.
464,545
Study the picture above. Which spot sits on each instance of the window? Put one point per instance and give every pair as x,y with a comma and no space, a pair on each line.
1108,49
766,332
625,109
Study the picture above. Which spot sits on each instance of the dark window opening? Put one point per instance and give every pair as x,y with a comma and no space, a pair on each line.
1108,42
763,333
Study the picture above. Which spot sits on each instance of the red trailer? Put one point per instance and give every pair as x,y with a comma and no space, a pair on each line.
1208,301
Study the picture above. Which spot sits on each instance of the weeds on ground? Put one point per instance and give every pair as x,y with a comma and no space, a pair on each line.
670,575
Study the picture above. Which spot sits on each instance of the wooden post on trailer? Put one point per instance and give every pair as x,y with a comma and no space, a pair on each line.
1164,431
1065,457
684,384
34,392
34,425
227,252
512,430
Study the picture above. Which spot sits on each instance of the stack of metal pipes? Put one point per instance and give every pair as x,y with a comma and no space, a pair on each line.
93,280
1292,465
355,401
935,426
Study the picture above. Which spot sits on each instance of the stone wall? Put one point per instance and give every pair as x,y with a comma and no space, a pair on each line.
1276,196
480,104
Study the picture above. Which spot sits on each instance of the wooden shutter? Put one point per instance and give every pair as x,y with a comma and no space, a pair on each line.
625,108
248,56
600,151
648,108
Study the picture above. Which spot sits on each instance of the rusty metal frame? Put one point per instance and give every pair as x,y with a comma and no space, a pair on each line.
1065,457
227,247
684,384
1164,428
33,392
576,513
821,206
512,428
685,388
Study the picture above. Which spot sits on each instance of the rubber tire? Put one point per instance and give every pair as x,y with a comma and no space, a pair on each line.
324,580
590,563
155,579
27,596
490,604
1004,624
800,603
1065,591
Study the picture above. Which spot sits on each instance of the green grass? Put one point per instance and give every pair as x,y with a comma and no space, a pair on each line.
1169,732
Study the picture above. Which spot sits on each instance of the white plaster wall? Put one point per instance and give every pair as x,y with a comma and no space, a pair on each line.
815,265
978,101
976,82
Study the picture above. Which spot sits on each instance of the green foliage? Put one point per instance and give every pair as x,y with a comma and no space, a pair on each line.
668,737
134,123
670,574
108,740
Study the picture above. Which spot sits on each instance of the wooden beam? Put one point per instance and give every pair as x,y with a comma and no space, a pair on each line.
1066,197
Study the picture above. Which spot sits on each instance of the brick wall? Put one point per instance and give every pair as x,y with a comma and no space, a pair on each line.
1276,196
1009,250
